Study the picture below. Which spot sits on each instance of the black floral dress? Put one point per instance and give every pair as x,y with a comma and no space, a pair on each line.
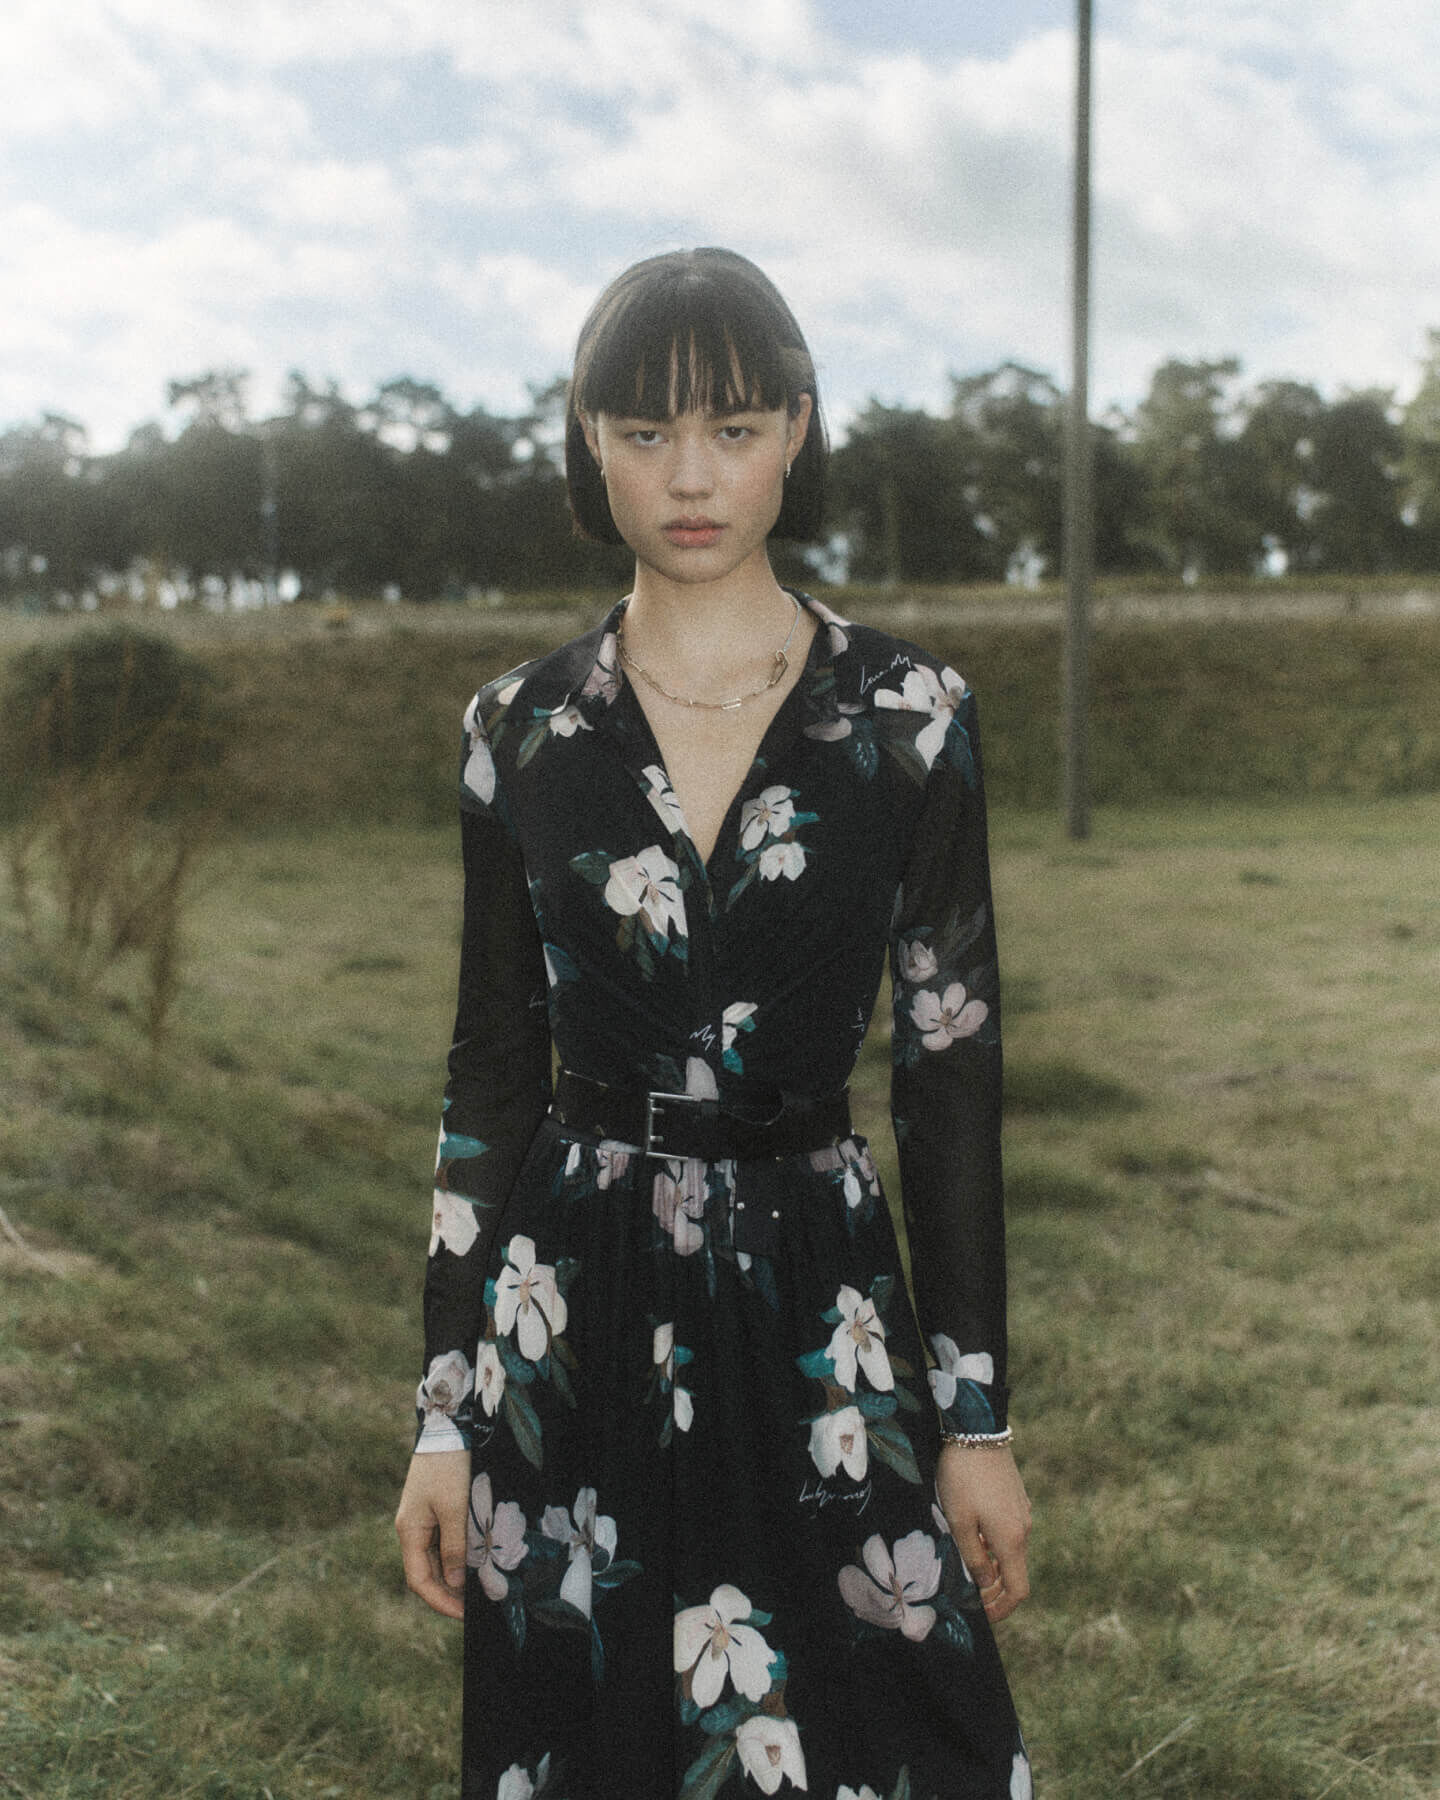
705,1557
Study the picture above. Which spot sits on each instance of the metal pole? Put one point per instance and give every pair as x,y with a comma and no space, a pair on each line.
1079,472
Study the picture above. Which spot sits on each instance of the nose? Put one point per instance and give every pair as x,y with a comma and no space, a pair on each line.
691,468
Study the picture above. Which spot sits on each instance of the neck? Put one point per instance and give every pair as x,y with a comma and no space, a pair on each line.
708,625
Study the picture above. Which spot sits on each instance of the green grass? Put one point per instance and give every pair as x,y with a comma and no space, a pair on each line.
1225,1119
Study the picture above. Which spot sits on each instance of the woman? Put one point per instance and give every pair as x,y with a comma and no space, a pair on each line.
675,1469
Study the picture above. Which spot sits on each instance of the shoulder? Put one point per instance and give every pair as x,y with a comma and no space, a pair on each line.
880,672
918,706
549,695
541,686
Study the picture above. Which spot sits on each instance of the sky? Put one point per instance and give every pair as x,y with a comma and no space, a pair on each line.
365,189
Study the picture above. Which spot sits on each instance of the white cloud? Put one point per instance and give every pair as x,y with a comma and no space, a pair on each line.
351,188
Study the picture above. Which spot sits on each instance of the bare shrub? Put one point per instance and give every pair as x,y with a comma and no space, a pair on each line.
112,740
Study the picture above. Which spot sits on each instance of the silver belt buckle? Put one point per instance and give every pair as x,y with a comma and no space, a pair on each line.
654,1128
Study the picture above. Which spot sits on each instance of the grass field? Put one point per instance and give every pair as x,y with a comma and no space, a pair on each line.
1224,1083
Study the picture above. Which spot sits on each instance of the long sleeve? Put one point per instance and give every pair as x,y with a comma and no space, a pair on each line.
497,1091
946,1085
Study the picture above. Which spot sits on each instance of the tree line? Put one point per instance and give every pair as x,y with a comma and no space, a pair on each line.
407,494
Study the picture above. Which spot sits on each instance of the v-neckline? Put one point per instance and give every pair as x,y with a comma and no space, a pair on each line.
777,727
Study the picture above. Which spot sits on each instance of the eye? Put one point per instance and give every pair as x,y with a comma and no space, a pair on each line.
735,434
643,435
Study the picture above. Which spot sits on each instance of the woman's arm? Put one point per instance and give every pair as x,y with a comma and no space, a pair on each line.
497,1090
946,1105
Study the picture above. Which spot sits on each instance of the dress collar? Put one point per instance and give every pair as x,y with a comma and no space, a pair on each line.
602,679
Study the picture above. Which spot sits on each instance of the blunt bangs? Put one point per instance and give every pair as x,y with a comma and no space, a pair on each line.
693,331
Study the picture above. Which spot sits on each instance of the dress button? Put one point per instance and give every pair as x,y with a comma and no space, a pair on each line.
775,1214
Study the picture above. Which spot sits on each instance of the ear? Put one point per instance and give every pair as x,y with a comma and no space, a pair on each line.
592,435
799,425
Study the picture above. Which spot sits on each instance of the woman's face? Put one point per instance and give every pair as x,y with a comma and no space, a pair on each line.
696,495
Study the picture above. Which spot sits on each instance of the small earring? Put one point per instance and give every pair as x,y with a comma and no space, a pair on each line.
787,471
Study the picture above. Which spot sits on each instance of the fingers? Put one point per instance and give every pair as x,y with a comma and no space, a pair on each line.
1011,1585
1000,1573
452,1548
426,1572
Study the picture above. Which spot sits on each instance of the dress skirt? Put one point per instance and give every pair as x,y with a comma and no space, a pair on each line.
705,1555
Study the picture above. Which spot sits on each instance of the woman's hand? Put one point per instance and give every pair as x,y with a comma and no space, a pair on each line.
430,1525
988,1511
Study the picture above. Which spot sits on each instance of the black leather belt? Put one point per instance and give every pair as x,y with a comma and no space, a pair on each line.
683,1125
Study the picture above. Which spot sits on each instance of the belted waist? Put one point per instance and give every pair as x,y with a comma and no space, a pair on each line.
660,1124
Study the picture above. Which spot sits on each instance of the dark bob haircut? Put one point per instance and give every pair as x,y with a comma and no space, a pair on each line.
694,330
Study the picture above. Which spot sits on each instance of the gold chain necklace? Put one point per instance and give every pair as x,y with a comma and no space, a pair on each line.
777,674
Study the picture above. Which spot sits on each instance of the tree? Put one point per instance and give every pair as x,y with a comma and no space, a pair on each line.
1186,446
902,492
1013,421
1420,460
1277,446
1357,520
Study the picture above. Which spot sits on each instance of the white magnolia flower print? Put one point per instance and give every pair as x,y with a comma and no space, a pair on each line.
678,1203
770,1752
858,1341
495,1540
1021,1786
663,1353
567,719
452,1223
584,1534
648,884
604,678
953,1368
611,1163
479,771
924,691
849,1793
770,814
838,1440
447,1382
527,1299
711,1643
918,962
941,1018
777,860
735,1019
518,1784
890,1590
662,797
489,1378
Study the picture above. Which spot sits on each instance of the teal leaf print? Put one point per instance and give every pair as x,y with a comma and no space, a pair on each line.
560,1380
454,1145
525,1423
616,1574
517,1368
727,1715
950,1627
891,1445
706,1775
594,865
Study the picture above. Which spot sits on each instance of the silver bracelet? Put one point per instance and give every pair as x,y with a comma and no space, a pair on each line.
979,1440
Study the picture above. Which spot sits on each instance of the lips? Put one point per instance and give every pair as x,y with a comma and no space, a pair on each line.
692,533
